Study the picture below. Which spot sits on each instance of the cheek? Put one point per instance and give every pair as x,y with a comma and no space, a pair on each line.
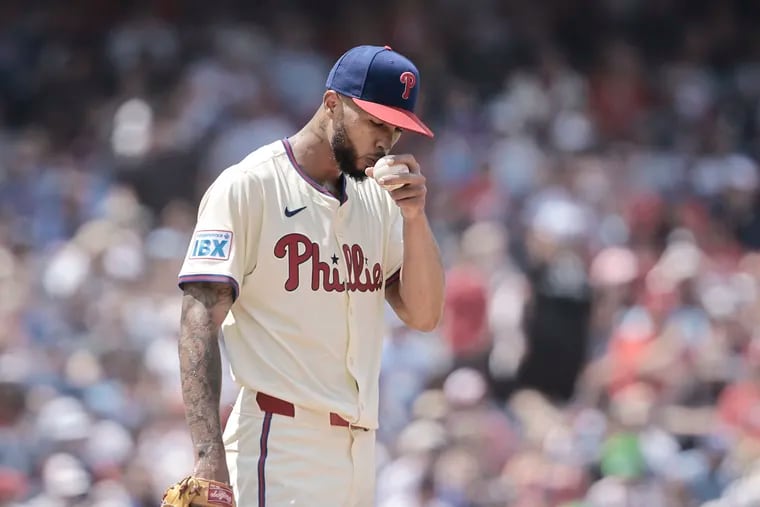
361,137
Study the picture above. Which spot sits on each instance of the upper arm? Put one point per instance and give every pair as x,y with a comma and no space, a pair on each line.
206,303
224,245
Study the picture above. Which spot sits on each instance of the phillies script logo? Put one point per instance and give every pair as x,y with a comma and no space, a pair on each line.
299,249
410,81
219,495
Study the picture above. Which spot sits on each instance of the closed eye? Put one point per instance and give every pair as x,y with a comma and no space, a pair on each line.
380,124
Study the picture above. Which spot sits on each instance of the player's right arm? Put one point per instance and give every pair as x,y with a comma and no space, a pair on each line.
221,252
204,307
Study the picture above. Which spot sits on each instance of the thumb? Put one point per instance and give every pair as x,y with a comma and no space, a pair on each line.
369,171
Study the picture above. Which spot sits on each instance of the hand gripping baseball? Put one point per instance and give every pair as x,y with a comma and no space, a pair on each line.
405,182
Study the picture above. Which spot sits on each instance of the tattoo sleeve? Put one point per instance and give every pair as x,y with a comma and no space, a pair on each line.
204,306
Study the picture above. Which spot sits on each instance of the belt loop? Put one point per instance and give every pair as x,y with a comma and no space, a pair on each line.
274,405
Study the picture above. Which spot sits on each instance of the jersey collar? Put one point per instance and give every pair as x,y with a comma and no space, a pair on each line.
341,182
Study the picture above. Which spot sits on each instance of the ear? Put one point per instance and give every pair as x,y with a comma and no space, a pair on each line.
331,103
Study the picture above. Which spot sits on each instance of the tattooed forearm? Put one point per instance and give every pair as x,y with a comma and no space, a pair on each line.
204,306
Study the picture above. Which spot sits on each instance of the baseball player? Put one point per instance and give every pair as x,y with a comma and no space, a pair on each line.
295,252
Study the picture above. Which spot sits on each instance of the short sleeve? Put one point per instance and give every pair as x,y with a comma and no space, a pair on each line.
224,243
394,256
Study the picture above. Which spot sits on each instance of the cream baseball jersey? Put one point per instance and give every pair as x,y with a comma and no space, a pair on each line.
309,273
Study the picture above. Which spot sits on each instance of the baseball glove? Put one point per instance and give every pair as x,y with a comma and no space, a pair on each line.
198,492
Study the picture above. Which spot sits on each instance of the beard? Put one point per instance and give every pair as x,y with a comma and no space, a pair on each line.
345,154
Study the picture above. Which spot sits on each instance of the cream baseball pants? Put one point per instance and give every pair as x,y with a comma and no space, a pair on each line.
280,455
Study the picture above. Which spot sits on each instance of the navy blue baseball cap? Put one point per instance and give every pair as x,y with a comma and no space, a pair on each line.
382,82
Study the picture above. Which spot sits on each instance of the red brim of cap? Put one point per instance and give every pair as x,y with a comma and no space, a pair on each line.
395,116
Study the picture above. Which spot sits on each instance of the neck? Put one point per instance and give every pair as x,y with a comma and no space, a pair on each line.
312,151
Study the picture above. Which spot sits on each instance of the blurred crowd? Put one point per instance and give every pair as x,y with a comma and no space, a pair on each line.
593,184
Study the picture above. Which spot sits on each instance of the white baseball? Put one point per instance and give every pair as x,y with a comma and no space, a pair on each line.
384,168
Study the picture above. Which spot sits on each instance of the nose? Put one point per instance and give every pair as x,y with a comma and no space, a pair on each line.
383,145
385,140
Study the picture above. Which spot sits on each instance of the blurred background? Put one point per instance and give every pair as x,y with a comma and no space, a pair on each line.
593,185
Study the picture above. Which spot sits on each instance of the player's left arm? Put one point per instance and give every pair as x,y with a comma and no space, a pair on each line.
417,297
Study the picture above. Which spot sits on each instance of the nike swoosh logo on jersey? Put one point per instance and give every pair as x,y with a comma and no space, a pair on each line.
289,213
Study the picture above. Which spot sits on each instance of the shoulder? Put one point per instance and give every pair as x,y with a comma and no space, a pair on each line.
256,167
263,160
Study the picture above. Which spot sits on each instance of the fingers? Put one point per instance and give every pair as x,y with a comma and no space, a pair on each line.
410,200
408,192
410,196
409,179
406,158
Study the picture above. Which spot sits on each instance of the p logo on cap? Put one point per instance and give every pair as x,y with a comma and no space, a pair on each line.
409,81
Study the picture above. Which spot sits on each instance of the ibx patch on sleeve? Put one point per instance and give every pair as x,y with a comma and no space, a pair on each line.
211,244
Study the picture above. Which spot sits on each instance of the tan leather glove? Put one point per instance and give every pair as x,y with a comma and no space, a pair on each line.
198,493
